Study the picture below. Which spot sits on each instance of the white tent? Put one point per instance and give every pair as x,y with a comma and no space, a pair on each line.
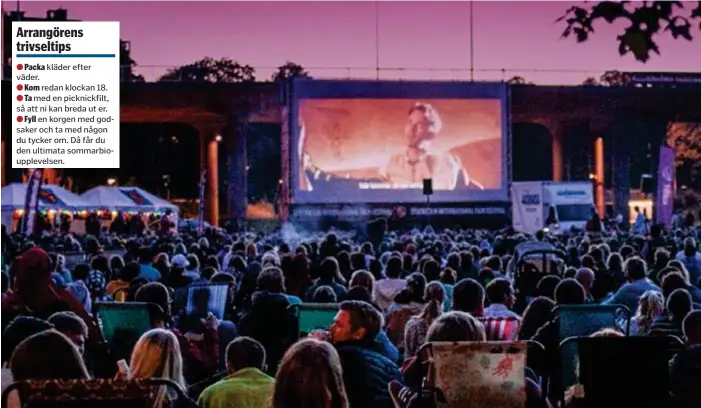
51,197
126,199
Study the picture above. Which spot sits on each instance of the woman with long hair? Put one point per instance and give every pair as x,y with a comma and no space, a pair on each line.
48,355
417,326
650,307
310,376
157,355
539,312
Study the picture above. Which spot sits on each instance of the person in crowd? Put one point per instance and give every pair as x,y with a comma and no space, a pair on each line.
71,326
685,366
79,287
247,385
16,332
324,294
310,376
118,288
539,312
146,270
268,320
546,286
329,275
586,278
387,289
417,326
678,306
407,303
469,296
650,308
157,355
35,294
61,275
272,281
501,297
201,358
638,283
366,372
448,278
691,259
47,355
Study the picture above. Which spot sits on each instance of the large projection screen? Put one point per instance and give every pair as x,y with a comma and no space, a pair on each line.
375,142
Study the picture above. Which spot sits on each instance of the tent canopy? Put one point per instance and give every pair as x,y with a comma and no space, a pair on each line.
126,199
50,197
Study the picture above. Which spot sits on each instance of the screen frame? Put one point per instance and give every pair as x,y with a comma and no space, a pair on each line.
304,88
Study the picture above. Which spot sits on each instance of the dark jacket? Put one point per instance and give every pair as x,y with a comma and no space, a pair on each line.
685,375
385,347
366,374
269,322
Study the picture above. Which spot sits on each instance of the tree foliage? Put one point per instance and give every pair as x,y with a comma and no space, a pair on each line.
518,80
211,70
646,22
289,70
127,64
686,140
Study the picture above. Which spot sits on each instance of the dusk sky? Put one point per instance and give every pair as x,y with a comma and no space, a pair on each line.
326,37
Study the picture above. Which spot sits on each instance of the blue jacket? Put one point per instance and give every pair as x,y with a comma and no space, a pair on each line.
366,374
629,294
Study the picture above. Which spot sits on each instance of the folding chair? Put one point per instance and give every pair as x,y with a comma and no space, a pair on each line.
582,321
476,375
500,328
122,324
203,298
625,372
313,316
103,393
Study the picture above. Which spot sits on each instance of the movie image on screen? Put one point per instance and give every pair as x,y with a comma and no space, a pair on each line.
371,150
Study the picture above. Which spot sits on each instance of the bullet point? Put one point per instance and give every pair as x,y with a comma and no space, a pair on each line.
19,118
20,87
19,66
19,98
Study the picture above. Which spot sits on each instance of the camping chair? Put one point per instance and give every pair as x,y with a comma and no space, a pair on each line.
123,323
582,321
103,393
313,316
500,328
476,375
216,295
625,371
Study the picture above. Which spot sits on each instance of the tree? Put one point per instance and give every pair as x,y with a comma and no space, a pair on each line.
518,80
289,70
127,64
211,70
591,81
614,78
686,139
646,22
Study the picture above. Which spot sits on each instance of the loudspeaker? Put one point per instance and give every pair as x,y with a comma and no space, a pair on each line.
428,187
647,184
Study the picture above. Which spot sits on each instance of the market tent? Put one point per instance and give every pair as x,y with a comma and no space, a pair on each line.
126,199
51,197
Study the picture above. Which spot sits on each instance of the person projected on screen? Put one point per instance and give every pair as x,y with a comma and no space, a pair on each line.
417,162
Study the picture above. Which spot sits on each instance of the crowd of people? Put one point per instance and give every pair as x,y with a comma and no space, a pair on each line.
395,293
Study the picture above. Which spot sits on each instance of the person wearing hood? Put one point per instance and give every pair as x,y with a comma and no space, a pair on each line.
35,295
268,320
387,289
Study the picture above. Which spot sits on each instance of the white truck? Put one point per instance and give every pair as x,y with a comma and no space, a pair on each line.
559,206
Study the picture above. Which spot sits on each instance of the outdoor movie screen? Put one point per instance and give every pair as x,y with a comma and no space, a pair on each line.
379,150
